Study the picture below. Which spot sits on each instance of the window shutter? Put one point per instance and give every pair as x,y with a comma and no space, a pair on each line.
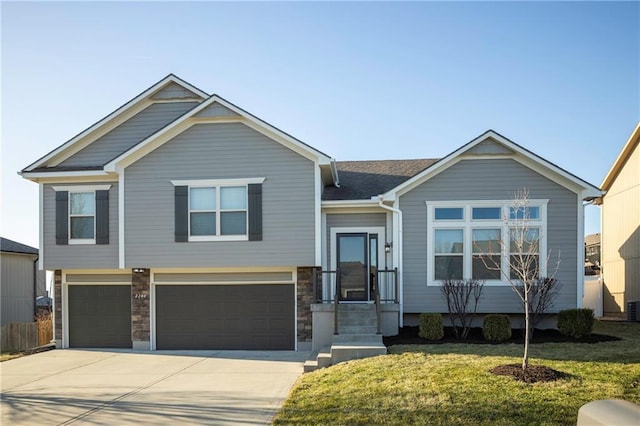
255,212
62,217
181,214
102,217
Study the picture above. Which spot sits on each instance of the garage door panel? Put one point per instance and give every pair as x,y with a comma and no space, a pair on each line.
99,316
225,316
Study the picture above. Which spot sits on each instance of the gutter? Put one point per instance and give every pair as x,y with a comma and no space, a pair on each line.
397,258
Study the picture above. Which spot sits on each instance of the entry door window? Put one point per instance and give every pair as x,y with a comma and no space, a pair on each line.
353,267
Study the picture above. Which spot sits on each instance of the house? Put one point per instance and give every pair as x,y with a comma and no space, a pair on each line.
21,282
592,254
620,218
181,221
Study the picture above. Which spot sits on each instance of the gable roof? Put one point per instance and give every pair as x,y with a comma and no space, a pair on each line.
170,79
166,133
624,155
366,179
519,153
10,246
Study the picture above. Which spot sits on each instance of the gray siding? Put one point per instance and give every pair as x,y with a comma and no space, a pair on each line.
216,110
174,91
487,180
17,288
79,256
128,134
220,151
353,220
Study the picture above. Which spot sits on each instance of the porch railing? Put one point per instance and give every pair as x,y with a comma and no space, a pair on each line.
326,286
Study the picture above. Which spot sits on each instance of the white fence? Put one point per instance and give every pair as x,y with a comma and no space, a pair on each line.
593,294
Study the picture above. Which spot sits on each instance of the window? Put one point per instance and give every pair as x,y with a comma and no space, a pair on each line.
82,214
524,251
479,240
82,219
218,210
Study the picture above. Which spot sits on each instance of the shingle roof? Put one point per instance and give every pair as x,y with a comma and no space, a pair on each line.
365,179
10,246
592,239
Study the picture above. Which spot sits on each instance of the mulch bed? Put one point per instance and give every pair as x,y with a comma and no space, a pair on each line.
533,373
409,336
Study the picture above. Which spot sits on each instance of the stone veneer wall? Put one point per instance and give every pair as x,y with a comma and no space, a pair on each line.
140,308
57,301
304,290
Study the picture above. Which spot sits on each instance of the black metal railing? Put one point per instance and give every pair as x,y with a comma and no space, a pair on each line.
387,285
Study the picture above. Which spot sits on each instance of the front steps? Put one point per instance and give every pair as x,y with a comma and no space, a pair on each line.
356,338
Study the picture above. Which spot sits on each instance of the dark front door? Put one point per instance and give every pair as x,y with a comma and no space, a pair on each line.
353,279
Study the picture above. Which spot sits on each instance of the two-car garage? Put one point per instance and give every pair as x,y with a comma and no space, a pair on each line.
254,311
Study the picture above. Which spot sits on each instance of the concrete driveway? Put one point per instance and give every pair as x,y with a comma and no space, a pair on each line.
125,387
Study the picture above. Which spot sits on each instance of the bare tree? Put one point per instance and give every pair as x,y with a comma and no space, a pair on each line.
461,296
522,272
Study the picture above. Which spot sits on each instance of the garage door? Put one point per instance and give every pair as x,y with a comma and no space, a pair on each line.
257,316
99,316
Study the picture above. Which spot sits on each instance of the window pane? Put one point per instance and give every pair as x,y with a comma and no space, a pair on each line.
486,241
82,203
202,198
486,267
448,267
449,213
525,240
203,224
82,227
233,223
486,213
448,240
524,213
529,264
233,198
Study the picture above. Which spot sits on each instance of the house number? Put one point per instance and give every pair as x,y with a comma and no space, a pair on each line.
140,296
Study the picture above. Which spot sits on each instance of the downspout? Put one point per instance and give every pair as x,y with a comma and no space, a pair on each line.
397,258
35,286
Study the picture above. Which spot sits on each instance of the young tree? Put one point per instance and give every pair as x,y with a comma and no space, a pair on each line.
522,271
462,298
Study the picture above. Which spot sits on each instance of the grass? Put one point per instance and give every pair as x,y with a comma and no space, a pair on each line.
450,384
6,356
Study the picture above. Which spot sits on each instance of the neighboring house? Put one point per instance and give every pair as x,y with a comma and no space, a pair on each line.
592,254
181,221
21,281
620,217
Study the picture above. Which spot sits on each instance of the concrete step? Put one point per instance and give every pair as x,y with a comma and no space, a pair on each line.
310,365
356,350
347,307
350,322
357,329
318,359
355,338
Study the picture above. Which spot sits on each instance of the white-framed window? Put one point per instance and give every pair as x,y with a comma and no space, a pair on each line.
476,239
82,217
218,209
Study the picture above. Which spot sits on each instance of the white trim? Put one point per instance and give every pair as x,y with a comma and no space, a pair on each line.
580,256
80,188
82,241
217,182
323,238
121,219
317,214
41,252
115,114
294,275
181,124
467,225
341,204
80,173
200,238
551,171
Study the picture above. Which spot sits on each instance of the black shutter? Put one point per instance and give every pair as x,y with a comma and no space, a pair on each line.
62,217
182,212
255,212
102,217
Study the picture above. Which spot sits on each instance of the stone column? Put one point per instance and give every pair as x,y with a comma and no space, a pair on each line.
57,312
140,309
304,291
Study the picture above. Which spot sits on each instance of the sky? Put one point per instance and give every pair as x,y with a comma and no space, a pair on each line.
358,81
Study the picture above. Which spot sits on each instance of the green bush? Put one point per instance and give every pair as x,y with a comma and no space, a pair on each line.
431,326
577,323
496,328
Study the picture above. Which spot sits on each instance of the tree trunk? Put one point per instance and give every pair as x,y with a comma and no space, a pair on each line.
525,357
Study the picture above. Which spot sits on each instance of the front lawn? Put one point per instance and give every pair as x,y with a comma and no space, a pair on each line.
446,384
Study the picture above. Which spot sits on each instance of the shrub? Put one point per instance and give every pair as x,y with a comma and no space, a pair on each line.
431,326
496,328
577,323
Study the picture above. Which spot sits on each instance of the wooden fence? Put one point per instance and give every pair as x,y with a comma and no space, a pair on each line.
22,336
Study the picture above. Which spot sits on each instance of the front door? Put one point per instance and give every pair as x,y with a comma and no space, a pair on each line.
354,266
